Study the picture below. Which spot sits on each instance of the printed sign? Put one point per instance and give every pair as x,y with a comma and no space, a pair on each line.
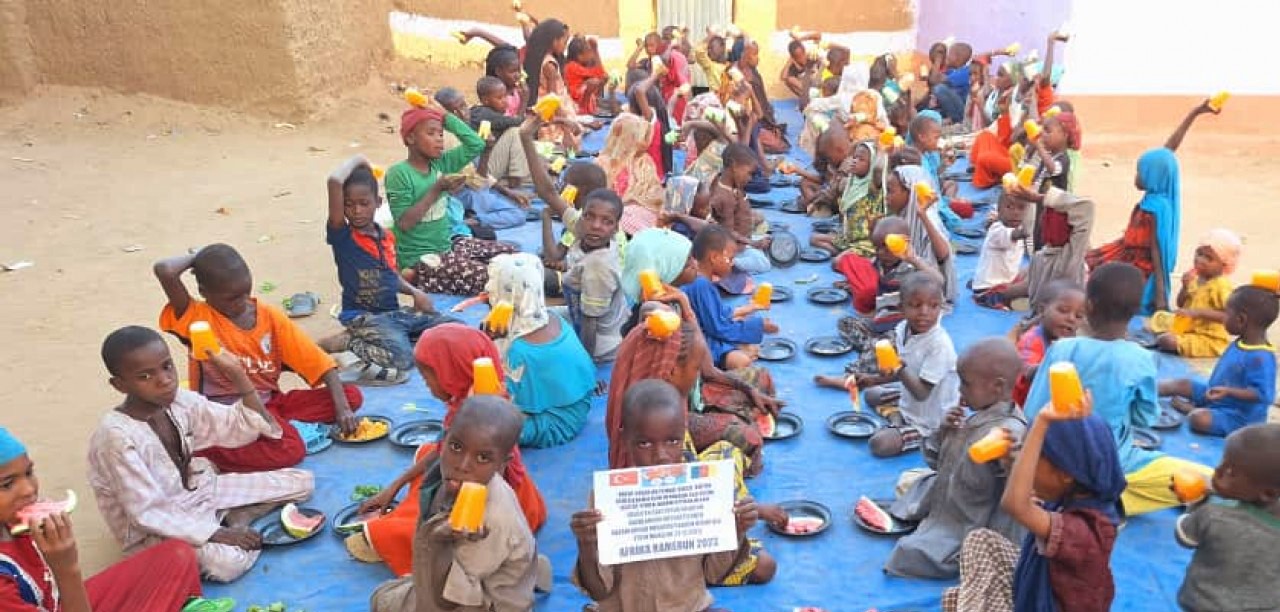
665,511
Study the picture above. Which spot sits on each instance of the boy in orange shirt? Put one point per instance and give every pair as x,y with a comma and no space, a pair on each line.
266,342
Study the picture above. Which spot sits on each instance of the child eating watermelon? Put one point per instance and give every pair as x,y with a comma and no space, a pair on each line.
40,569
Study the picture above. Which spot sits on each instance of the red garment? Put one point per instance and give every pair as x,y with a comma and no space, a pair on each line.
1031,348
1134,247
1044,97
1055,228
160,578
863,280
677,75
1079,552
410,118
655,152
640,356
449,350
575,78
990,158
384,250
308,405
391,534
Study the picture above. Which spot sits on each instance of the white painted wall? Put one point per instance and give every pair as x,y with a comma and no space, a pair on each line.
1172,47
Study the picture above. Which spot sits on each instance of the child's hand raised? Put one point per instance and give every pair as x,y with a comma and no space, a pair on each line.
583,524
532,123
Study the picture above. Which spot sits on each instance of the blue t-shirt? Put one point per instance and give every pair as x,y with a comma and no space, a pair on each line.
1245,366
958,80
529,366
1122,377
367,272
723,334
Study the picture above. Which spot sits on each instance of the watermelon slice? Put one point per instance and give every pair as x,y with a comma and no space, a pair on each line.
803,525
298,524
873,515
766,424
33,514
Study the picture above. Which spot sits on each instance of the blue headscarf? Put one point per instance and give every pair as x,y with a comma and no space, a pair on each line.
1158,171
10,447
1085,450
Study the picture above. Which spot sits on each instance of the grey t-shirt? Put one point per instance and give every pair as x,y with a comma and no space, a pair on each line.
594,280
932,357
1235,564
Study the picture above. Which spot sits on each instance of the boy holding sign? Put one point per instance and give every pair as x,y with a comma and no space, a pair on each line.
653,429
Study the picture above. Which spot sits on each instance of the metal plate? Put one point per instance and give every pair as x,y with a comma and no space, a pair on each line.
828,346
337,435
804,509
786,425
777,349
828,296
533,213
854,425
793,207
898,528
272,530
815,255
347,521
784,249
781,294
1146,439
759,203
826,226
416,433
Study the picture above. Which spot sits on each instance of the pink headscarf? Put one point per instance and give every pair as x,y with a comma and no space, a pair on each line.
414,115
1226,245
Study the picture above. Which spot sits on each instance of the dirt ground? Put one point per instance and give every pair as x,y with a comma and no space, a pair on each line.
98,186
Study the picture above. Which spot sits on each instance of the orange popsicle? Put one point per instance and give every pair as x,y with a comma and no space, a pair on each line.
485,130
924,192
992,446
202,340
650,283
1009,180
1065,389
1026,174
468,508
1189,486
546,106
763,297
887,356
897,244
484,377
1267,279
415,98
569,194
662,323
378,172
499,318
1032,129
887,136
1219,100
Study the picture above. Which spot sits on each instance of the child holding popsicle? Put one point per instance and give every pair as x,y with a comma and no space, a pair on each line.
909,195
1122,379
1202,302
473,549
585,78
1000,261
652,428
964,493
921,368
1062,316
859,205
266,341
1070,464
733,334
1243,384
1235,538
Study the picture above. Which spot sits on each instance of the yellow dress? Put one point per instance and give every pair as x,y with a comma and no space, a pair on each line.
1206,338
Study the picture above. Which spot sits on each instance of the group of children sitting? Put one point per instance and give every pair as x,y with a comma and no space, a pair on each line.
171,465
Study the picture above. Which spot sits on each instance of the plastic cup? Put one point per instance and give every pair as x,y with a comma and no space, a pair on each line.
992,446
202,340
763,297
887,357
468,508
484,377
1065,389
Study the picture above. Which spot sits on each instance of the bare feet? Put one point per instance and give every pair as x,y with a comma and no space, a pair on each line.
336,343
830,382
1182,404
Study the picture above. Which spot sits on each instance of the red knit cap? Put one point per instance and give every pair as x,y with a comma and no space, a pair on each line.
413,116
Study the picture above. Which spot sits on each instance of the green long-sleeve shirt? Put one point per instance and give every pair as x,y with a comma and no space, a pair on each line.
406,185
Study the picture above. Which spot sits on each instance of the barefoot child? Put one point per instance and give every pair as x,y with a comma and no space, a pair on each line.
729,208
732,334
493,570
1065,562
144,467
927,375
1122,378
1002,251
40,569
1203,299
653,431
266,342
379,331
593,277
1243,384
962,495
1064,312
860,205
1236,539
927,236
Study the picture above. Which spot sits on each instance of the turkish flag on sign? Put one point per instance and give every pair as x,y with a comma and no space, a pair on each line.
624,478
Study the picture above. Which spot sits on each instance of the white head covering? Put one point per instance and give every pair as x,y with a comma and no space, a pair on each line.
517,278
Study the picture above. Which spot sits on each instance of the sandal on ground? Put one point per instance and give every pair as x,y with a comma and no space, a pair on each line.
301,305
315,436
367,374
201,604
